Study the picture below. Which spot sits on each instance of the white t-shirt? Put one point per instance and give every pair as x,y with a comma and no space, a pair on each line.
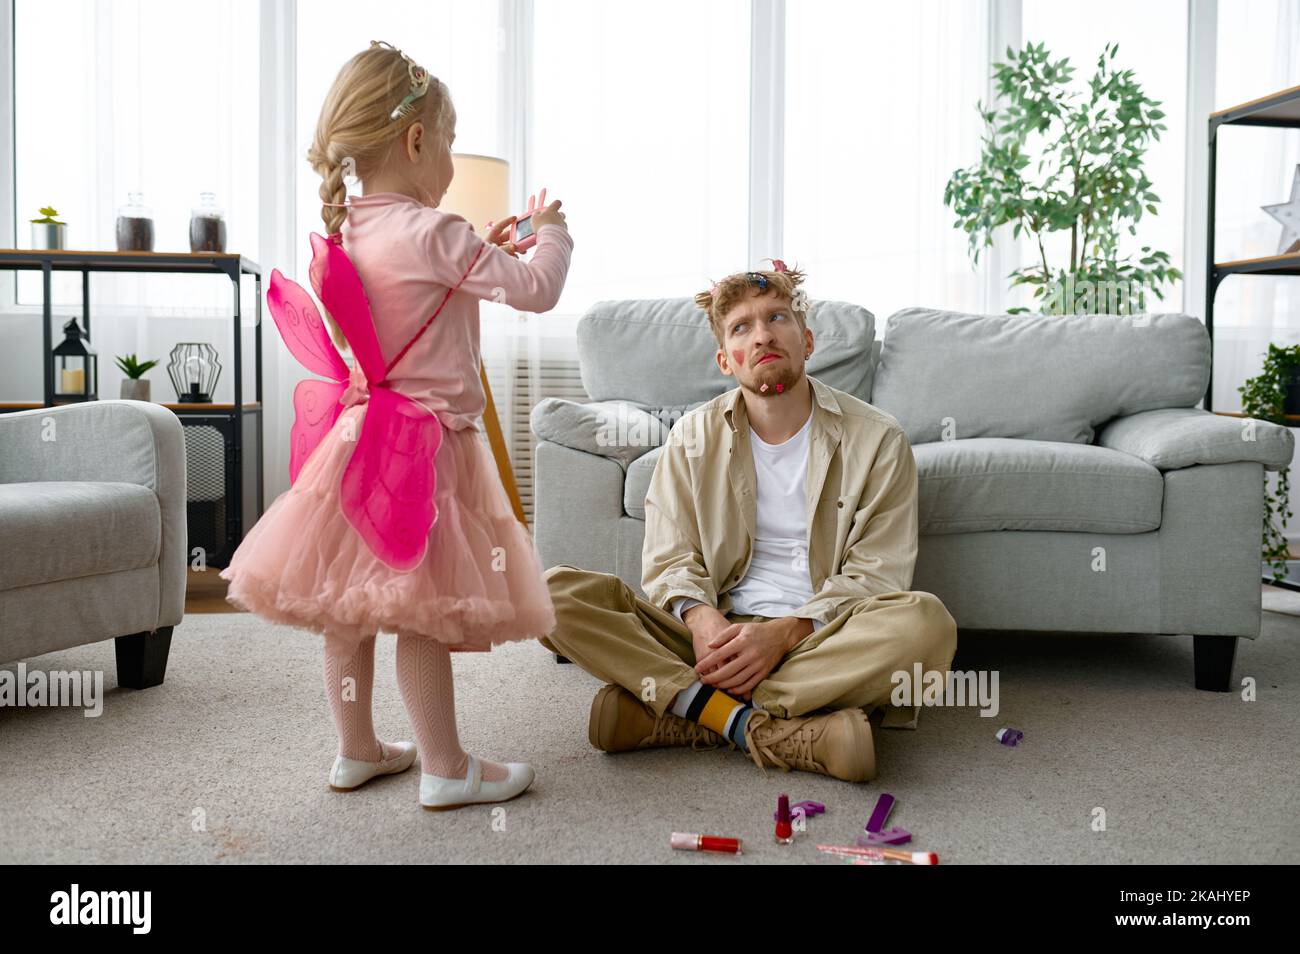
777,581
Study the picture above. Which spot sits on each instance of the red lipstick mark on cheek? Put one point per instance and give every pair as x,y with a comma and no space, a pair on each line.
738,358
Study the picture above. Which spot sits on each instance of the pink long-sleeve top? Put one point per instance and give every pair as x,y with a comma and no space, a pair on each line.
408,255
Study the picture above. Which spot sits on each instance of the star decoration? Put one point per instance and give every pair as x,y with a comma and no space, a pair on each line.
1288,213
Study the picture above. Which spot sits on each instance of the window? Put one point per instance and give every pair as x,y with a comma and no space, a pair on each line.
456,42
641,129
879,110
1152,38
136,95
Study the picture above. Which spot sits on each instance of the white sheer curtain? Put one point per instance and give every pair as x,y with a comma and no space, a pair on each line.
638,122
1258,54
641,127
879,111
1152,42
136,95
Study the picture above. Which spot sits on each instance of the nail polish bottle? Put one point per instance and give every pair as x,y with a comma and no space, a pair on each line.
784,832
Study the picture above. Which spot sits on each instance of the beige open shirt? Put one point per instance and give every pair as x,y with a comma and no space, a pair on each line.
862,502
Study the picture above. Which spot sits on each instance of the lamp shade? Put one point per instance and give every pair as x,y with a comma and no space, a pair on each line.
479,190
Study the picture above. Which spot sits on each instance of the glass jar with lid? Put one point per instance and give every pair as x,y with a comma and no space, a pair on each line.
135,225
207,226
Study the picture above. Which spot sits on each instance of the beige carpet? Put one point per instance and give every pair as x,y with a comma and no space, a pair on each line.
227,760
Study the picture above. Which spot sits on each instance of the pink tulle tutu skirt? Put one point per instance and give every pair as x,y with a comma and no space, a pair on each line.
480,582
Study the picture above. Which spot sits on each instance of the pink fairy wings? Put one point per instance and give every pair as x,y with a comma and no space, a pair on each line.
315,403
387,489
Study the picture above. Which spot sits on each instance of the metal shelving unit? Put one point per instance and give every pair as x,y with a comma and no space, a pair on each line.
1280,111
239,423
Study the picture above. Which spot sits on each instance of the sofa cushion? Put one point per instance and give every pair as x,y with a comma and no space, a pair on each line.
948,375
59,530
667,414
660,352
990,483
1174,437
637,484
1001,484
614,429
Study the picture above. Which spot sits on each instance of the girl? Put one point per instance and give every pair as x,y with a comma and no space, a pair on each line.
388,122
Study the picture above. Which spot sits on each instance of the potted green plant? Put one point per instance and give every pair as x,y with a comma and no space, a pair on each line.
1265,398
1087,181
48,232
136,386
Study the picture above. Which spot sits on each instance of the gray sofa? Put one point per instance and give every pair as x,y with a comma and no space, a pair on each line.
93,533
1067,482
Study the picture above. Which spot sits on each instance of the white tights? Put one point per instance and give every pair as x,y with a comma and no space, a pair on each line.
424,679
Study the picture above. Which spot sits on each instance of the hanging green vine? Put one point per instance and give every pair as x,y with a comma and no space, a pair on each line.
1263,397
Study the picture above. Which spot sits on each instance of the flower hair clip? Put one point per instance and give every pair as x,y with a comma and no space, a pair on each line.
778,265
760,280
419,82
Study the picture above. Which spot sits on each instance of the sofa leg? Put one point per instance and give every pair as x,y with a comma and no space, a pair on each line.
142,658
1212,658
563,659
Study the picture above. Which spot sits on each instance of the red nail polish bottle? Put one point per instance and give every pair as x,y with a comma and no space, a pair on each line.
784,833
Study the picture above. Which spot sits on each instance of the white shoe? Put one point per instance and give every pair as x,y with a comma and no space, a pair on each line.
438,793
347,774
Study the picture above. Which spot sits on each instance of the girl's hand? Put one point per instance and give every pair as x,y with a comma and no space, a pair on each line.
551,215
498,234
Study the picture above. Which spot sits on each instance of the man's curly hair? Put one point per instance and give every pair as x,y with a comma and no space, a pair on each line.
725,293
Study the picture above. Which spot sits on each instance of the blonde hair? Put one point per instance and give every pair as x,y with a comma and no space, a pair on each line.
725,293
355,128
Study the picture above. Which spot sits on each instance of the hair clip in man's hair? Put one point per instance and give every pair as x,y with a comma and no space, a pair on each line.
760,280
778,265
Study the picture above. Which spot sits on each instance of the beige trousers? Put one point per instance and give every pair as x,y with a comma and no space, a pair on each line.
618,637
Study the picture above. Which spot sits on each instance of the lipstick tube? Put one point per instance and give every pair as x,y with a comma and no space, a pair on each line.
687,842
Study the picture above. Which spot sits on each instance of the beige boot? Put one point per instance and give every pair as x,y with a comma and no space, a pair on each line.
621,722
838,744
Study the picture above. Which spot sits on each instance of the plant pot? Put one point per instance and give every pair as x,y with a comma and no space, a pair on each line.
48,235
1291,404
135,389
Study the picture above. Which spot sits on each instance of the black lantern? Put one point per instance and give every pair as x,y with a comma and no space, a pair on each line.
76,366
194,370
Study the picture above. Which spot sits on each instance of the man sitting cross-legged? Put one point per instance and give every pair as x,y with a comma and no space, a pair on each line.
780,540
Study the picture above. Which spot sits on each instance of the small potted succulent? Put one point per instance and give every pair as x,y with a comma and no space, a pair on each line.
136,386
48,232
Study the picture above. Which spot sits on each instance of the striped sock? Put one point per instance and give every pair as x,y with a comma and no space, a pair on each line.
714,709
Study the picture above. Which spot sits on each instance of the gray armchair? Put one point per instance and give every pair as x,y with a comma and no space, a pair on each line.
93,532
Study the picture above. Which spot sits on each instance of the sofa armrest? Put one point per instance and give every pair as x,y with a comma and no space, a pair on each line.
133,442
614,429
1174,437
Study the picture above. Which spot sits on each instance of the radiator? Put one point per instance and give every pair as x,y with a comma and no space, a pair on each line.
515,399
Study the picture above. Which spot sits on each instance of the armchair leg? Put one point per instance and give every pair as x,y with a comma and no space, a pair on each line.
1212,659
142,658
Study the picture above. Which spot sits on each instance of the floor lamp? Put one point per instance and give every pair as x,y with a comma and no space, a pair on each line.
480,191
